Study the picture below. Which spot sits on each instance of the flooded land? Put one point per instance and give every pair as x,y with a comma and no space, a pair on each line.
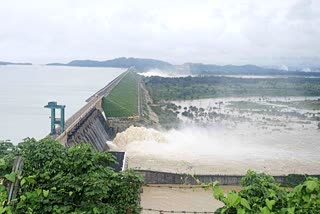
276,135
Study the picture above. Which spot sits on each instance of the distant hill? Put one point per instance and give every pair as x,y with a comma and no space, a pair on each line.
208,69
14,63
122,62
187,68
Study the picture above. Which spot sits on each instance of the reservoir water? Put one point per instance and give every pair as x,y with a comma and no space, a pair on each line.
24,90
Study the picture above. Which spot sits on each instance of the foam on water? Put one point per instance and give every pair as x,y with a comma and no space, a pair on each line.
139,136
212,143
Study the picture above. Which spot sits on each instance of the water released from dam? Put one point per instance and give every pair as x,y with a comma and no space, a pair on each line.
220,150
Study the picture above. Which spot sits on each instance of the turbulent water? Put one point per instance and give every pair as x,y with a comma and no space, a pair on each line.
24,90
221,150
137,136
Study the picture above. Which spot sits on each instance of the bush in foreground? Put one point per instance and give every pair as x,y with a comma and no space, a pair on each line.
56,179
260,194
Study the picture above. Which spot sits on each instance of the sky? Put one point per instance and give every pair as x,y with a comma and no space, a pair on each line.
264,32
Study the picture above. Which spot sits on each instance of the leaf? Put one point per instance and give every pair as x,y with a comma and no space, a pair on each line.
312,185
11,177
38,191
2,162
216,183
241,211
23,198
45,193
23,181
291,210
30,179
233,199
306,198
95,210
298,188
8,209
70,193
264,210
245,203
217,192
270,203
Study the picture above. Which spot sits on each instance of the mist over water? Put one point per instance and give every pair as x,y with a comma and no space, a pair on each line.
204,142
218,144
163,73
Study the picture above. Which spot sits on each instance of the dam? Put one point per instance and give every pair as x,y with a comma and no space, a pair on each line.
89,124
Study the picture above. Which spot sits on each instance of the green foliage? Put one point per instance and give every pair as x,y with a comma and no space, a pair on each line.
260,194
293,180
78,179
182,88
7,156
123,99
4,208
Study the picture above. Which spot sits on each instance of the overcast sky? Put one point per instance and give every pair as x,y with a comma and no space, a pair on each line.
213,31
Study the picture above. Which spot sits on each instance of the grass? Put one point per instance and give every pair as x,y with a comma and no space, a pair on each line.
123,99
188,88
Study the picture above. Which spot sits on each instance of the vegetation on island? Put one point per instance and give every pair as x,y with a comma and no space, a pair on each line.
122,62
122,101
184,88
56,179
261,194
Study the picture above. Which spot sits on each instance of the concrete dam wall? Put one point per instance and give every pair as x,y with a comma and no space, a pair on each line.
93,129
156,177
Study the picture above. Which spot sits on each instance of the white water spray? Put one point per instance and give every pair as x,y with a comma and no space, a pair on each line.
220,147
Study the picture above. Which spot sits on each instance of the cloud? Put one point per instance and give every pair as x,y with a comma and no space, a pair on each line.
215,31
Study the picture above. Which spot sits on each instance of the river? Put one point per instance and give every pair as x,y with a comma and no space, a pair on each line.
24,90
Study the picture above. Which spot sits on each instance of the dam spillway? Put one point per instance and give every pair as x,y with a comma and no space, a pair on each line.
92,129
89,124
